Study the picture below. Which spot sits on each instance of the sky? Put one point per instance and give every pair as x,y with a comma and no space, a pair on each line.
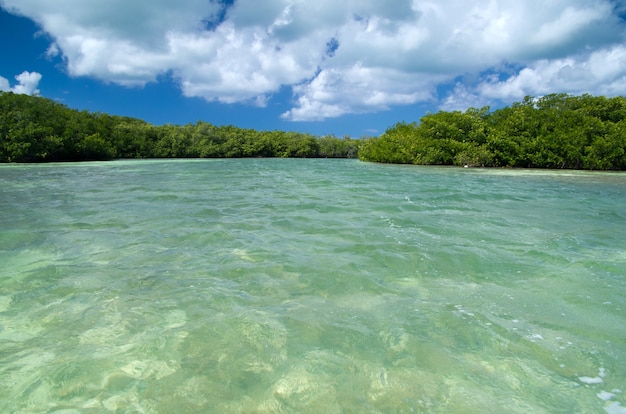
351,67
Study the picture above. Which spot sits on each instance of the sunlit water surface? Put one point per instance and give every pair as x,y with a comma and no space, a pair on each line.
319,286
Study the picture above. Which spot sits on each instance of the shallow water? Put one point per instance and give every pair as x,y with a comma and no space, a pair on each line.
271,285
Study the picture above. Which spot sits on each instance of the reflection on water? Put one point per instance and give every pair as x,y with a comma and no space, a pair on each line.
310,286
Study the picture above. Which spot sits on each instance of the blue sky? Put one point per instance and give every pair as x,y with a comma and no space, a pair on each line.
325,67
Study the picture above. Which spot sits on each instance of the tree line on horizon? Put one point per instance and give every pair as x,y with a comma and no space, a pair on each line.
556,131
36,129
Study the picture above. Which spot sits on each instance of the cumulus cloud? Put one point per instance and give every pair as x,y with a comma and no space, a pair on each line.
4,84
462,98
353,56
27,83
337,91
600,72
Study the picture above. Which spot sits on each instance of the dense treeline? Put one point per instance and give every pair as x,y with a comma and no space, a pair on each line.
555,131
34,129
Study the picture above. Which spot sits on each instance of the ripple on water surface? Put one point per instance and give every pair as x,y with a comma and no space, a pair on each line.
310,286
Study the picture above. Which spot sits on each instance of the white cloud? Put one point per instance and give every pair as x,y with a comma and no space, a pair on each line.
570,22
600,72
27,83
358,89
352,56
4,84
239,65
462,98
52,51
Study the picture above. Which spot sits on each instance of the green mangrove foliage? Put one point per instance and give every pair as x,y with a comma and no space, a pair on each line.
35,129
555,131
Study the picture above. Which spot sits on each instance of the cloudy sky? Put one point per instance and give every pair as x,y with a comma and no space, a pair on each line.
351,67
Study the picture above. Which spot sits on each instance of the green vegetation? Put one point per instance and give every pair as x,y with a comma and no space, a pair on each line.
35,129
556,131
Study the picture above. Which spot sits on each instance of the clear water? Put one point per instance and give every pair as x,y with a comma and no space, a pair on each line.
321,286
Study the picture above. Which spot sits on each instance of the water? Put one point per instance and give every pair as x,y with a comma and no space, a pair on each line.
270,285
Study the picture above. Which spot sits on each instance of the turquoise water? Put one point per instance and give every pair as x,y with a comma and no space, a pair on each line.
321,286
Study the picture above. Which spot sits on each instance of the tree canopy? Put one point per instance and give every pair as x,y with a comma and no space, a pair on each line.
36,129
555,131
